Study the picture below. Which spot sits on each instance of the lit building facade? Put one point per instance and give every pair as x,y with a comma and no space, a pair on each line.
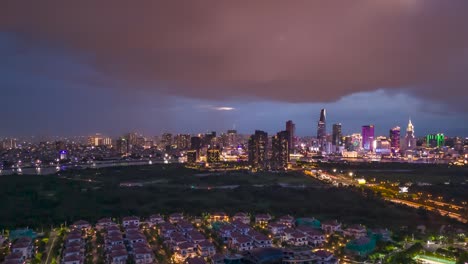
395,139
410,139
337,136
280,150
257,146
291,129
322,128
435,140
368,137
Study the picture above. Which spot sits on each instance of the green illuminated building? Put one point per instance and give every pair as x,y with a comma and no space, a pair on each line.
435,140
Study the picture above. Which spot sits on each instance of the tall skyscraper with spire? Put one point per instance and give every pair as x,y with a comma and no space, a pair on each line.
322,128
410,139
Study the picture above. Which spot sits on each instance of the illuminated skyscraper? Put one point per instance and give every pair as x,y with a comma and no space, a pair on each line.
368,137
337,136
258,143
166,140
395,139
232,137
291,129
322,126
280,150
213,155
410,139
182,141
435,140
122,146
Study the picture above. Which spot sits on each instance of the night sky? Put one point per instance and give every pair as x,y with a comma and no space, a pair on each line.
112,66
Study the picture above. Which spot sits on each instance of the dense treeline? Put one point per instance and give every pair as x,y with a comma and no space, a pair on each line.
37,201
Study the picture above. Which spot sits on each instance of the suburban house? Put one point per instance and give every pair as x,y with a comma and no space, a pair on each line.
135,237
315,237
219,216
72,250
297,238
184,251
331,226
325,257
104,223
260,240
155,219
81,224
241,242
184,227
142,253
206,249
113,240
16,258
355,231
287,220
118,255
24,246
196,260
241,227
195,236
225,232
74,259
176,239
276,228
243,217
132,228
262,219
175,218
130,220
166,229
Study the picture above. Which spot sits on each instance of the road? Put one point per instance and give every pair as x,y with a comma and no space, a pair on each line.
344,180
52,239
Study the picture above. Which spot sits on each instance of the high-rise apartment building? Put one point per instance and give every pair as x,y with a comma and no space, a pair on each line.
257,146
291,129
280,150
337,136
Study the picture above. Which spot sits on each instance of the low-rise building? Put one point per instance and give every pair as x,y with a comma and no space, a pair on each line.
243,217
130,220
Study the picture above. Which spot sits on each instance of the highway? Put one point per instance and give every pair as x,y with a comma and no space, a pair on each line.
344,180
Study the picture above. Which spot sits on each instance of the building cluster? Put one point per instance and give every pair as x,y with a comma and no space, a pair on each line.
260,150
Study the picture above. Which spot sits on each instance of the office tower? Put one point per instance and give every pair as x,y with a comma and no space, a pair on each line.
368,137
95,140
166,140
192,156
257,145
322,126
232,137
435,140
291,129
395,139
209,139
107,141
280,150
337,136
213,155
195,143
410,139
182,141
121,146
383,146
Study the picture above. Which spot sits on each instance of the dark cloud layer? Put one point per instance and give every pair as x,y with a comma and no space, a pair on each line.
293,51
